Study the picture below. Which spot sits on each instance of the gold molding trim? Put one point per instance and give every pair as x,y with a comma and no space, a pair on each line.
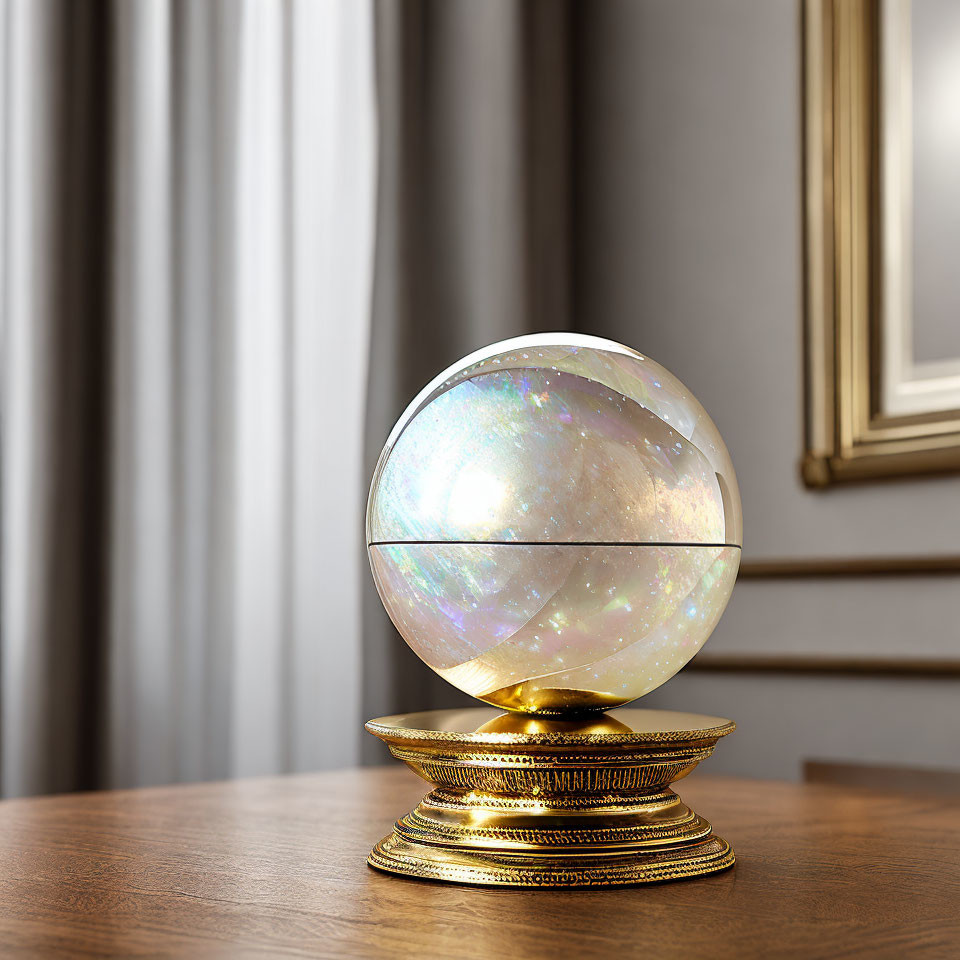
823,567
533,802
848,437
846,666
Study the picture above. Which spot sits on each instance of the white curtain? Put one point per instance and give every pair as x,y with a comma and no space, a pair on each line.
188,199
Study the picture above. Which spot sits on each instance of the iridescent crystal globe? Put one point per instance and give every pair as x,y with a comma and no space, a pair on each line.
554,524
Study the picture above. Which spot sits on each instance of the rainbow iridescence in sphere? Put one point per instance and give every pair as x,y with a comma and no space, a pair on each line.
554,524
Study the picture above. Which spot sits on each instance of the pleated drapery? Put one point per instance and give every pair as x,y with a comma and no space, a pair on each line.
188,192
239,236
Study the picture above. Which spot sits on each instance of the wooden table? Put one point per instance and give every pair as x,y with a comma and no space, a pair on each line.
276,867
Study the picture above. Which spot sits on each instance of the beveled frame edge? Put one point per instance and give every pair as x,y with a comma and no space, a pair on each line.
847,437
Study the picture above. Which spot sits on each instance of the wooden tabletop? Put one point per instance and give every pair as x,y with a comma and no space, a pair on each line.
277,868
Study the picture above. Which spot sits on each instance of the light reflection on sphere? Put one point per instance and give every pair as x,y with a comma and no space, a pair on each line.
554,524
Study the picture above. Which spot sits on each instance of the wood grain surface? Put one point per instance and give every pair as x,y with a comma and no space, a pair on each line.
277,868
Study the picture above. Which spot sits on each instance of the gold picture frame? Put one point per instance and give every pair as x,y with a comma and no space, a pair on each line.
851,265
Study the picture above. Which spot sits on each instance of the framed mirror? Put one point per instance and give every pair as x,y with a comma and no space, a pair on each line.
882,220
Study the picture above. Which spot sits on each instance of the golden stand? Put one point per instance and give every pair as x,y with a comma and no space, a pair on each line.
526,802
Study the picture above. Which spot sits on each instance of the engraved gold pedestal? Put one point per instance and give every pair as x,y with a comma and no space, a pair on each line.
526,802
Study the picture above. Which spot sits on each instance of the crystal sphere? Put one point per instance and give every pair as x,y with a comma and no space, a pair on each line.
554,524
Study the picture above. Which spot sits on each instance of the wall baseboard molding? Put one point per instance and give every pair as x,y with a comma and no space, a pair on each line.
807,568
844,666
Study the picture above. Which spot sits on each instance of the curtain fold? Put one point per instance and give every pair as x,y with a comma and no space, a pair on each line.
188,194
474,226
55,360
195,382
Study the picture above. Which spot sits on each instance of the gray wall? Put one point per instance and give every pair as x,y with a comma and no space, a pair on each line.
690,246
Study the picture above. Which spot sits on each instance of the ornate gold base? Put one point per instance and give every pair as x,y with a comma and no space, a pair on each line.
525,802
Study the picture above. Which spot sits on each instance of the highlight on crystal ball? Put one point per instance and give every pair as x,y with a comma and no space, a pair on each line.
554,524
